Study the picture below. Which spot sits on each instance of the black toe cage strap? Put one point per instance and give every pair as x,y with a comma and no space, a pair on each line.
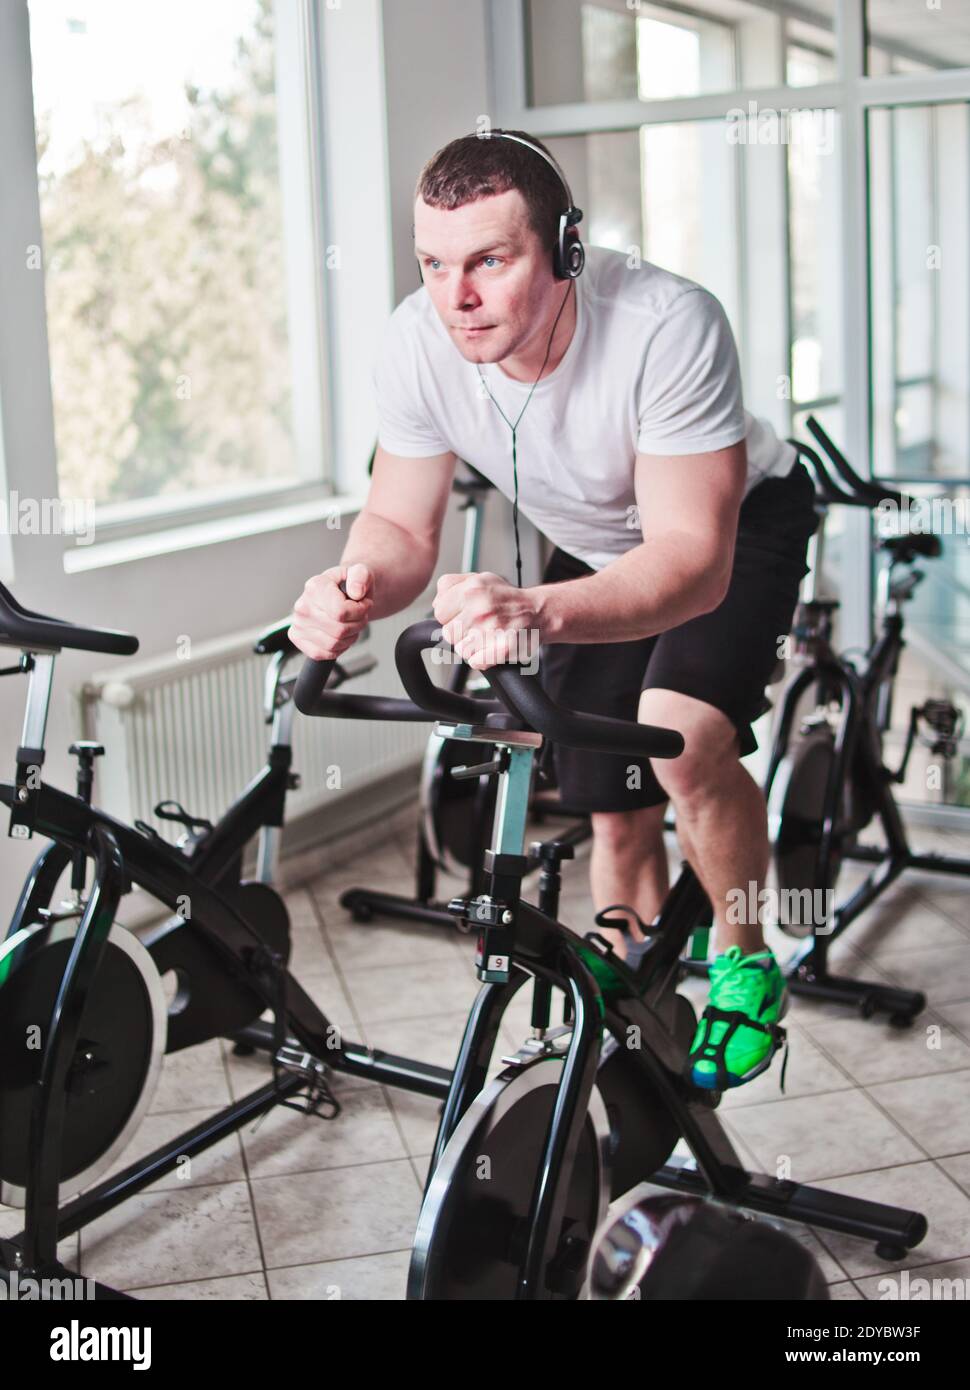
603,920
707,1051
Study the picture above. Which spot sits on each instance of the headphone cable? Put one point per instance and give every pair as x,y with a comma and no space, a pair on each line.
514,429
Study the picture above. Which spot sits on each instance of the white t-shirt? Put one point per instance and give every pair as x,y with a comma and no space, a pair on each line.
651,368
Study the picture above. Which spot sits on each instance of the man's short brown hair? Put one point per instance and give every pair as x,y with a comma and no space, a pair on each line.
476,166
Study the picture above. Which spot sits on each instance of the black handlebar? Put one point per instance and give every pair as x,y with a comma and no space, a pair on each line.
442,704
594,732
310,684
21,627
525,697
313,677
521,696
311,696
861,492
825,485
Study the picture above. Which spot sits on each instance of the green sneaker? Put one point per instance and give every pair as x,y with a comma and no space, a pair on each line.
738,1033
601,970
600,963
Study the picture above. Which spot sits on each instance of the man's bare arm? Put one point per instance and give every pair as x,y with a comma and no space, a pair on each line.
689,512
398,532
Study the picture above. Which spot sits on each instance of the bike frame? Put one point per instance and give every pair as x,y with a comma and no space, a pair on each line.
533,944
865,700
123,856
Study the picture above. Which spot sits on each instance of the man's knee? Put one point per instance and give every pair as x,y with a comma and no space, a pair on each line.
710,742
634,832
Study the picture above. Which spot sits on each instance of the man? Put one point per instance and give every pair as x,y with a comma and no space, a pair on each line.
608,405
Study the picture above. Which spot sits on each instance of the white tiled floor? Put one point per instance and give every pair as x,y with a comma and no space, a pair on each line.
306,1209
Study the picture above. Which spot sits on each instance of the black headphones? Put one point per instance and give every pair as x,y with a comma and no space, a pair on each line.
569,255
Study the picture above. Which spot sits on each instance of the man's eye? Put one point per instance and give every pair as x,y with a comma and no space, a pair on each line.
432,264
490,258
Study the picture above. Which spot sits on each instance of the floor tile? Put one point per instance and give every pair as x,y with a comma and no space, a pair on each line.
308,950
933,1110
164,1237
301,908
222,1162
957,1166
885,930
359,945
418,1117
920,1187
418,990
310,1217
808,1072
286,1141
235,1288
951,897
434,1040
942,973
844,1290
871,1050
957,1016
814,1137
370,1278
389,872
190,1079
938,1282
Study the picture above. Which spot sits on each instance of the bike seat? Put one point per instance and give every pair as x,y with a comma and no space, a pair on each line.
904,548
275,639
473,485
19,627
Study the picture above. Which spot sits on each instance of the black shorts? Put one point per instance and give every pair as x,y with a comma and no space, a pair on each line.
724,658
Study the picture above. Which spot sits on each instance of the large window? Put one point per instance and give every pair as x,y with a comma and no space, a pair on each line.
919,196
919,273
171,252
666,193
649,51
751,210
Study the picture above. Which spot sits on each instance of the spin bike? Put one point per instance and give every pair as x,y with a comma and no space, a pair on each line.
84,1020
456,804
828,781
584,1112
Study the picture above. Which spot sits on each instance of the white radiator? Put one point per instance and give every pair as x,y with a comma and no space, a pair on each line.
192,729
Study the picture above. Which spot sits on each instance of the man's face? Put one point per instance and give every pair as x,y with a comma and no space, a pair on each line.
489,278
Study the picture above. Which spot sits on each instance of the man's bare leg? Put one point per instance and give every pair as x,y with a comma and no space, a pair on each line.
724,835
628,864
722,820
